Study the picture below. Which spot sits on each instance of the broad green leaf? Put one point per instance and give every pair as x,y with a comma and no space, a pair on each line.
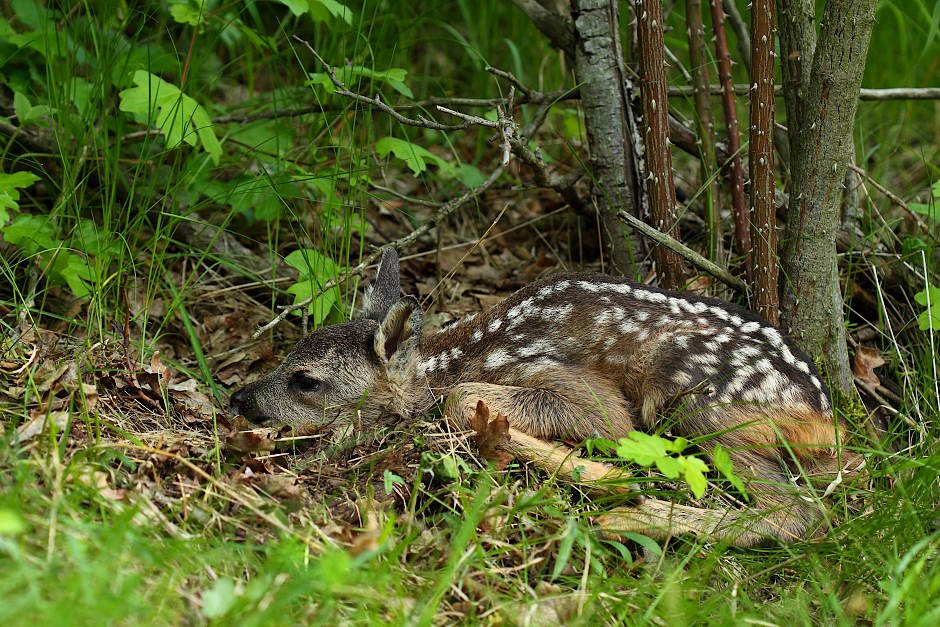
694,475
722,462
186,13
921,296
469,175
929,210
10,185
31,233
415,156
25,112
672,467
642,448
74,271
564,549
319,10
929,318
179,117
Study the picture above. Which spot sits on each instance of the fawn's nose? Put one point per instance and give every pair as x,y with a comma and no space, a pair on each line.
239,401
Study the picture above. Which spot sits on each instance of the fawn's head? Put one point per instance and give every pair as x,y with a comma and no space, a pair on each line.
364,368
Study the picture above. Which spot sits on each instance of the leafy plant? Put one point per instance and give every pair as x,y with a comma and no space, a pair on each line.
666,455
929,208
10,186
163,106
316,270
929,298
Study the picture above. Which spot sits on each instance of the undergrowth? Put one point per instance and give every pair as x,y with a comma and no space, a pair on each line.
126,496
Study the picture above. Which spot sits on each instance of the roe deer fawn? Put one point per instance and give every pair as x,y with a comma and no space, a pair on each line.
581,355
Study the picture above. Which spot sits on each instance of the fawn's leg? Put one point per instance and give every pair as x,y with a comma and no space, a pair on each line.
779,510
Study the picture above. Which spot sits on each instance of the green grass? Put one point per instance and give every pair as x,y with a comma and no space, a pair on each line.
95,528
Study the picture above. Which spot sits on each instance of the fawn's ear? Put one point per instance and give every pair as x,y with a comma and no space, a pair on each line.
396,339
384,291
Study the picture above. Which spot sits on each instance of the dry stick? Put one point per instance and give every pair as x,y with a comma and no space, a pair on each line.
705,124
659,183
564,463
762,213
532,97
677,247
736,175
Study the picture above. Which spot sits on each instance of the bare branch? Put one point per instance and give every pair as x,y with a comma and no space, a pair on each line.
684,251
556,27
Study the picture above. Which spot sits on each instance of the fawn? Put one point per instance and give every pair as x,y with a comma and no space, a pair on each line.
577,356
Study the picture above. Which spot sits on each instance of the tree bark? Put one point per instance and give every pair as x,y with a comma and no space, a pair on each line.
763,217
821,124
659,183
705,122
742,236
590,35
606,104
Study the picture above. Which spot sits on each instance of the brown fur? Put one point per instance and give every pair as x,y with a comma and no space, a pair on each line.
579,356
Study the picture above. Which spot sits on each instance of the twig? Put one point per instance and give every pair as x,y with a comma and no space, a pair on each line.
690,255
739,27
895,93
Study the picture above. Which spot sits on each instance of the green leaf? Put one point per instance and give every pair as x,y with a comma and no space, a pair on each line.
642,448
315,270
930,318
391,479
25,112
319,10
185,13
694,475
219,599
929,210
722,462
165,107
10,185
671,467
921,296
11,524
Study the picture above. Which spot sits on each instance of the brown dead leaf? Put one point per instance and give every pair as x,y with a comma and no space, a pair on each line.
241,441
866,360
37,424
491,436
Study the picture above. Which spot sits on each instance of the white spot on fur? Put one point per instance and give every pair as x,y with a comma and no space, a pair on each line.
750,327
557,312
538,347
494,326
477,335
456,353
497,359
588,286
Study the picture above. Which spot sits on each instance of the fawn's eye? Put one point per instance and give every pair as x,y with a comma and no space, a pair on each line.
302,382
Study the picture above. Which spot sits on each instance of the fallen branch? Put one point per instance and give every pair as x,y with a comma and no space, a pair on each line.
684,251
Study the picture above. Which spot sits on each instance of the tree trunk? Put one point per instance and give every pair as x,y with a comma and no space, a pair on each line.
606,104
659,183
821,124
590,36
763,217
